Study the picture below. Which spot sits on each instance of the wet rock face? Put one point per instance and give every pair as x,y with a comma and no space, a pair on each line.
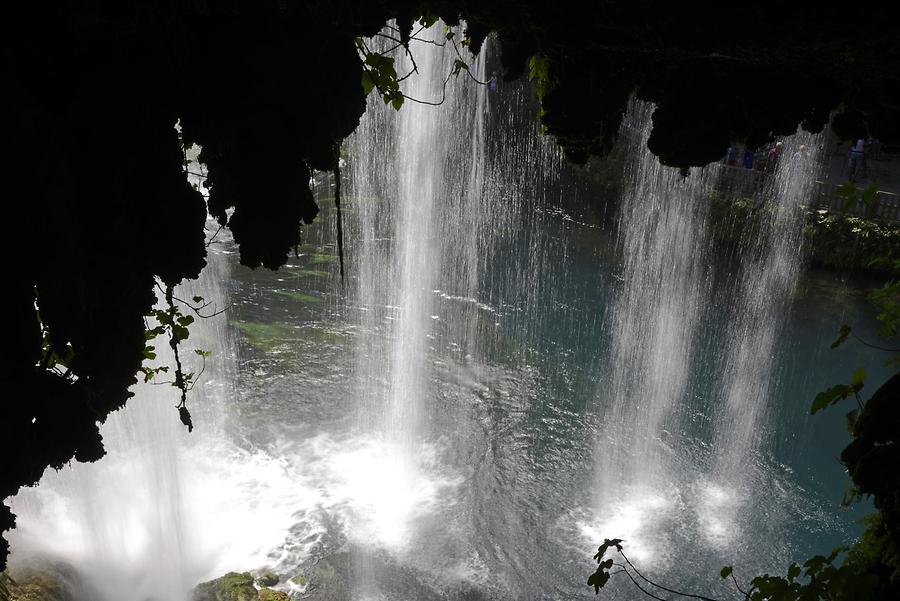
329,579
40,583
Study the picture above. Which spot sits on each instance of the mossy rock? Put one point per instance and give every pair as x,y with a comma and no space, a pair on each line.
33,584
233,586
267,579
4,589
268,594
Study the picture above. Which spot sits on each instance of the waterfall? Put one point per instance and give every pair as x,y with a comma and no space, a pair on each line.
658,302
416,182
672,345
427,428
417,177
770,267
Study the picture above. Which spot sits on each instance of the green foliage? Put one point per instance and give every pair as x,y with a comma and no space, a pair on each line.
541,73
831,240
380,74
854,197
171,322
601,575
839,392
887,301
819,578
852,243
843,333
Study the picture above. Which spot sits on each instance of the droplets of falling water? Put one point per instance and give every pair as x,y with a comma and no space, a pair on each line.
648,471
658,301
417,178
768,274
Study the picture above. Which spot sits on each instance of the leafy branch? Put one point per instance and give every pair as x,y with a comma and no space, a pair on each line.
380,73
174,324
818,578
54,358
601,576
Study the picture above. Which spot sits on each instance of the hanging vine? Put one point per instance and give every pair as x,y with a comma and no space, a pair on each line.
174,324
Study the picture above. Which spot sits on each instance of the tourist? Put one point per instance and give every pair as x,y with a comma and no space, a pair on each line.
749,157
802,155
856,160
731,156
773,156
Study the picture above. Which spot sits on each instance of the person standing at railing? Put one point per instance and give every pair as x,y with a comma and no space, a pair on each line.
801,156
749,156
773,157
856,160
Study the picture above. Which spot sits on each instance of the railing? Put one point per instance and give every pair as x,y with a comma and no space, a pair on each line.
885,206
740,182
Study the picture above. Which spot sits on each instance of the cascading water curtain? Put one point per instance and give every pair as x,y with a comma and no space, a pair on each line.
770,267
417,180
684,433
418,236
659,297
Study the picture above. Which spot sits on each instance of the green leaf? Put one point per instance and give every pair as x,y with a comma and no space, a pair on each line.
197,299
725,572
607,543
179,333
793,572
367,84
427,20
843,333
598,580
859,377
829,397
870,194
